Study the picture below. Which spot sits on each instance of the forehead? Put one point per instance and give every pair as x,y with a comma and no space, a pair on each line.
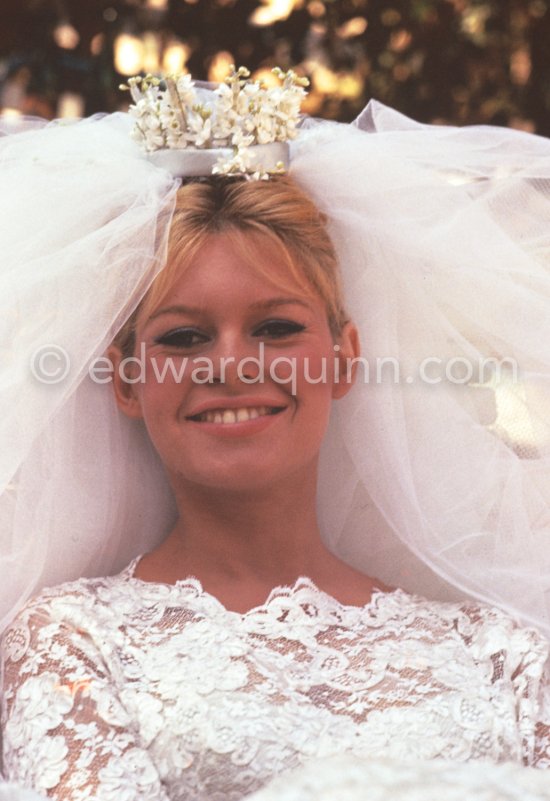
236,263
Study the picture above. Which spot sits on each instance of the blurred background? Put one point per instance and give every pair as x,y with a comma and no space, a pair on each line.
451,61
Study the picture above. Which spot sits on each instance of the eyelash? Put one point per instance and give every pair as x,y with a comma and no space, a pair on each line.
278,329
273,329
179,338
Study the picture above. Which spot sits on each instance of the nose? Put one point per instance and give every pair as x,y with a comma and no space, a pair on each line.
237,360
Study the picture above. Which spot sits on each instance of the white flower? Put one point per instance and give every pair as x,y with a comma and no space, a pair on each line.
240,139
204,132
185,88
240,163
153,142
224,104
244,113
265,135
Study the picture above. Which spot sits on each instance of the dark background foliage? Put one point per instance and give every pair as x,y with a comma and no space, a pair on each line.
455,61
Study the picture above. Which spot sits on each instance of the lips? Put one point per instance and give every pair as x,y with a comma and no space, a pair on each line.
229,416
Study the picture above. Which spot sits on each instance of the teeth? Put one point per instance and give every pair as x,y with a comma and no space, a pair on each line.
230,416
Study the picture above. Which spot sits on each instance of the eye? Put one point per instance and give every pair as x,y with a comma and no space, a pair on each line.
278,329
182,338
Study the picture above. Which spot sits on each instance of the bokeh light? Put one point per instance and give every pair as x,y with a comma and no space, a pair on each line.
443,61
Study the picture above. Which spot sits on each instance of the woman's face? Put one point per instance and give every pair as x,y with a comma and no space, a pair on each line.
229,393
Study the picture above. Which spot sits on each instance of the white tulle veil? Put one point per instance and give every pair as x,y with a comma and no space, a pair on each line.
441,487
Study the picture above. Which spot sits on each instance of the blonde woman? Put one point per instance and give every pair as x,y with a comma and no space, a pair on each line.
248,635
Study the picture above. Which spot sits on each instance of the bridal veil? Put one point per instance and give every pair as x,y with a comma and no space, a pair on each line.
435,474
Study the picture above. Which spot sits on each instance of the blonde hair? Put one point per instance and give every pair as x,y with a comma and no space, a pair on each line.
253,215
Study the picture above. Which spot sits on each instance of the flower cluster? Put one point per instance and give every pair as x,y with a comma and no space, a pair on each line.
174,113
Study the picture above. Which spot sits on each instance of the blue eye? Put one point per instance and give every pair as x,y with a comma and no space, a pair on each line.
278,329
182,338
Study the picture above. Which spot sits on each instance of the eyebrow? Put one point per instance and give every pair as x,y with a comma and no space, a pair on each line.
271,303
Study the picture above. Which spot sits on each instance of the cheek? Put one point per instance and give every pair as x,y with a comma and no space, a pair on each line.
166,369
308,371
161,395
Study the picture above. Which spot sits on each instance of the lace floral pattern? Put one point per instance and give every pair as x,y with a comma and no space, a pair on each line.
117,689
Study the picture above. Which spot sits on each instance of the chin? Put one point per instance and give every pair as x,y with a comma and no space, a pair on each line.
239,476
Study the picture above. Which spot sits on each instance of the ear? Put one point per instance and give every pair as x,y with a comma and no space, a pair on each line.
349,351
126,394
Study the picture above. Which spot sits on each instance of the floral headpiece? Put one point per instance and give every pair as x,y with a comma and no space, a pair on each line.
241,127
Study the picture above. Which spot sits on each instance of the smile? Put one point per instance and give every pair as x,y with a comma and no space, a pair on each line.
239,415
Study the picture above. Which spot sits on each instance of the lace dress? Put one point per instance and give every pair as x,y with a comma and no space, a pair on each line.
118,689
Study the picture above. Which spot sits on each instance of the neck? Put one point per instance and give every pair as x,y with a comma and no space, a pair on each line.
270,535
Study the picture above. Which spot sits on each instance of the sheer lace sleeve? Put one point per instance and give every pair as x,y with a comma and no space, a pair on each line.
517,658
530,666
541,757
66,734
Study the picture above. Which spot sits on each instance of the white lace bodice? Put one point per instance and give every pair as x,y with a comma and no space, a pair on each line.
117,689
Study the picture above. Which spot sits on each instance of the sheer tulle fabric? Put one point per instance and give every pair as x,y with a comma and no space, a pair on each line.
84,224
443,238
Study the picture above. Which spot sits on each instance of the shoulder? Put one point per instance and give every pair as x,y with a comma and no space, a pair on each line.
86,605
484,631
69,597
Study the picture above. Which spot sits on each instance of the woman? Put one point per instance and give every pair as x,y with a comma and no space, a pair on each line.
250,436
156,684
185,679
